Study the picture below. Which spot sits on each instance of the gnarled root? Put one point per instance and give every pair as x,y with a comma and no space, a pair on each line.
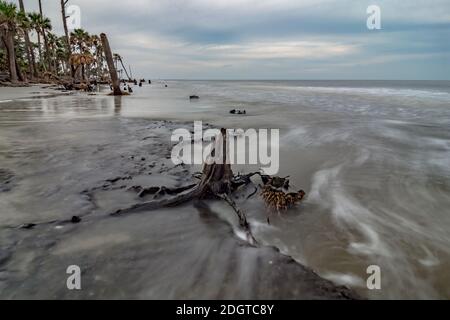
242,219
217,181
156,204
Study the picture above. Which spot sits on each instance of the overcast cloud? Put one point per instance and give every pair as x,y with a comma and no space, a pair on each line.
270,39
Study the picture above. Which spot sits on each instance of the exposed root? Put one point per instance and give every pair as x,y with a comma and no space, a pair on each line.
156,204
162,191
218,181
242,219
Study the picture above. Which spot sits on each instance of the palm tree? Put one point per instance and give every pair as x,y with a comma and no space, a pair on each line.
79,39
79,50
35,24
26,25
66,32
41,25
61,54
21,52
83,60
98,51
3,57
64,18
8,20
52,45
46,26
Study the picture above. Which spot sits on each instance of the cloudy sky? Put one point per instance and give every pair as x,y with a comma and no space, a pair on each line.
271,39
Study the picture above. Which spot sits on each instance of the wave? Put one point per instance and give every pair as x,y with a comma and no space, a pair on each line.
367,91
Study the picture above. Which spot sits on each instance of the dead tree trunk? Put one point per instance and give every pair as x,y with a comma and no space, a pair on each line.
217,181
66,33
19,72
125,69
111,67
216,177
30,56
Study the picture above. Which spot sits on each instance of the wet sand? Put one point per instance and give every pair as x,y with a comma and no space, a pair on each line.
8,94
75,155
372,156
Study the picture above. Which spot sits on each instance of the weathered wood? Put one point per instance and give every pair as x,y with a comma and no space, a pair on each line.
217,181
112,69
217,177
156,204
242,218
8,40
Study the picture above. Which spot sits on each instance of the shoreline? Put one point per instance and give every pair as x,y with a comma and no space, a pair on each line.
279,271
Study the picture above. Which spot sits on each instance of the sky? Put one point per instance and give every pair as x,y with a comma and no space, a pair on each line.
270,39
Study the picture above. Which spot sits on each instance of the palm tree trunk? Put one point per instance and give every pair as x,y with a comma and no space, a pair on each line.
33,62
99,63
64,18
28,49
34,70
9,45
47,51
112,69
55,62
18,71
39,45
40,7
66,32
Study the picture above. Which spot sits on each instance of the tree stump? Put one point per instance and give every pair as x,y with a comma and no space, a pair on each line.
217,182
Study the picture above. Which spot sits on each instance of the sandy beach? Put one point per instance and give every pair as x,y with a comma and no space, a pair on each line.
80,157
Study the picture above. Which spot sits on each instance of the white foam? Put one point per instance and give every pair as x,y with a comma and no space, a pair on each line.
430,260
414,93
344,279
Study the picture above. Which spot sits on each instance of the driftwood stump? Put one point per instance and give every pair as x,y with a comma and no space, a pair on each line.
216,182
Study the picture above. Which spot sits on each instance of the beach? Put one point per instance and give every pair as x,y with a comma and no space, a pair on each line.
373,158
67,155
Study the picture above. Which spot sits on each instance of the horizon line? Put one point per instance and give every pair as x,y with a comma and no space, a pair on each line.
277,79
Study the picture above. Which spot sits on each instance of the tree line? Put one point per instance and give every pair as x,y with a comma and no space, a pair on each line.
77,56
